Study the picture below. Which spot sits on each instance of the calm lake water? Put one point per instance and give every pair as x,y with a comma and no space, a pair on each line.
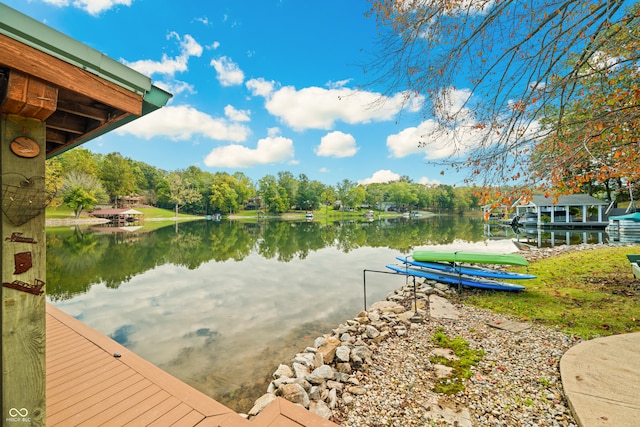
221,304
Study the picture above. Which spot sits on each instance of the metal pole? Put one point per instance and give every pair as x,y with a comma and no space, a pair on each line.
415,297
364,282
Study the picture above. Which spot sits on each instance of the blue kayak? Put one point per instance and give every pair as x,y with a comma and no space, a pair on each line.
468,270
455,279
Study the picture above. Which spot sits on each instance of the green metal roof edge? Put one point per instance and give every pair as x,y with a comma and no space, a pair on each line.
157,97
45,39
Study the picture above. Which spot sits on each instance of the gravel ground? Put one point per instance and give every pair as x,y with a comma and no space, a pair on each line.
517,382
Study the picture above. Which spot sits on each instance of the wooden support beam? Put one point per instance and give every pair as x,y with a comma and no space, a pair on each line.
28,96
96,114
19,56
23,271
67,123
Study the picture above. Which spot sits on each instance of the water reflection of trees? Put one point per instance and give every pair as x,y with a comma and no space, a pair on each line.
76,260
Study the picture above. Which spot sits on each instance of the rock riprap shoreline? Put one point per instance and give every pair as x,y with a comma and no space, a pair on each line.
377,370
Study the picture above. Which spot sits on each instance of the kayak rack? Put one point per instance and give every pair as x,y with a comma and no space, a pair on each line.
364,284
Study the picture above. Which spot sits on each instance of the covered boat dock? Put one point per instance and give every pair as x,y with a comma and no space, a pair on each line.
572,211
119,217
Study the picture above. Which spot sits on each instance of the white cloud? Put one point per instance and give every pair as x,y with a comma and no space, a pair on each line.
437,142
339,84
434,142
176,87
269,150
229,74
182,123
169,66
406,142
273,132
324,170
93,7
337,144
237,115
203,20
453,104
260,87
428,181
319,108
381,176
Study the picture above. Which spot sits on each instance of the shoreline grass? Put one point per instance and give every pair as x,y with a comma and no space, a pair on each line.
586,293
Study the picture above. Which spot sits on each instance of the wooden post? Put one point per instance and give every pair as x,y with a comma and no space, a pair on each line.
22,307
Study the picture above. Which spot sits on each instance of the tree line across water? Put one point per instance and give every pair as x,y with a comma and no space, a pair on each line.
82,180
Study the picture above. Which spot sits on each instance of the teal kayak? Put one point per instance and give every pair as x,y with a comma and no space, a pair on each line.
469,257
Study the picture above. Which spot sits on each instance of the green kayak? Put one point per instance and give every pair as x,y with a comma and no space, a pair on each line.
469,257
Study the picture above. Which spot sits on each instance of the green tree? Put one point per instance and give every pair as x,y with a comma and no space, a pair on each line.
357,196
425,196
224,197
288,186
202,182
274,196
79,159
54,178
376,193
402,194
117,176
181,191
445,198
147,178
343,189
328,196
244,188
80,191
309,193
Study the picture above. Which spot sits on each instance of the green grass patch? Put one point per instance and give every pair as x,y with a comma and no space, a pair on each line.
586,293
152,212
62,212
461,367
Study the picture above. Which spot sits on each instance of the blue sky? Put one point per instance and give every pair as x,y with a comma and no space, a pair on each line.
260,86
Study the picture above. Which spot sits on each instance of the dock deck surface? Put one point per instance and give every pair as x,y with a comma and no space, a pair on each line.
92,381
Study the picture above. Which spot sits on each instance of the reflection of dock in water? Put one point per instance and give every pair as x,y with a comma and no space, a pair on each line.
534,237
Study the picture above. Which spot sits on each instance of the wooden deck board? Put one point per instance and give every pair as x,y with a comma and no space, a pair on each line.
86,411
61,397
127,406
150,410
103,397
87,385
82,376
173,416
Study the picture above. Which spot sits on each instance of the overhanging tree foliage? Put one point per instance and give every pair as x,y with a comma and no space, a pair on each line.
596,145
522,61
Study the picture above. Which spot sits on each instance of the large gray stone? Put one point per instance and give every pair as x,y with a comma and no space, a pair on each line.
294,393
342,354
283,371
320,408
262,402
